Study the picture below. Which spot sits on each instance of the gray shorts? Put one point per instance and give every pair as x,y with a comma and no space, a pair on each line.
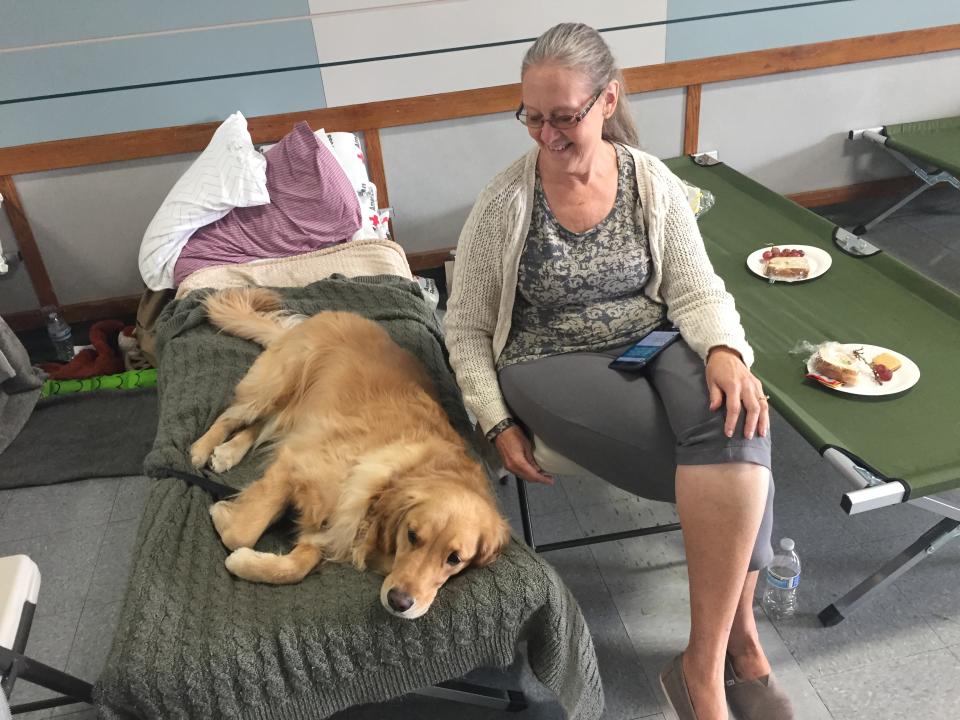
633,429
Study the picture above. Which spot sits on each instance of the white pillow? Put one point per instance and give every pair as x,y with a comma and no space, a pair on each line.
229,173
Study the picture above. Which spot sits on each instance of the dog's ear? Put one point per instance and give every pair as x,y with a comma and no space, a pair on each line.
493,539
386,515
386,503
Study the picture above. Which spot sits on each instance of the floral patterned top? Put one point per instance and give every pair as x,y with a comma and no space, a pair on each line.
583,291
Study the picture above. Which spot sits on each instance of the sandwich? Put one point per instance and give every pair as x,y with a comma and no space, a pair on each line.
836,363
786,268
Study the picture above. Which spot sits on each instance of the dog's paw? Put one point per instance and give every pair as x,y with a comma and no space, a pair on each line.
224,457
222,517
247,563
199,454
232,534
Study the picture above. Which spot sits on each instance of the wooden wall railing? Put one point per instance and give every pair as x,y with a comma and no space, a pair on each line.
369,118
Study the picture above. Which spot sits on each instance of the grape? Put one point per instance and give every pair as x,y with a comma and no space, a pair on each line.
882,372
775,252
767,254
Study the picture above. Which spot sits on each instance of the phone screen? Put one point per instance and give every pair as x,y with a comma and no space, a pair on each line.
642,352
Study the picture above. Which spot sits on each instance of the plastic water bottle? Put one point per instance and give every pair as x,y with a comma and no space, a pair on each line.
783,578
60,335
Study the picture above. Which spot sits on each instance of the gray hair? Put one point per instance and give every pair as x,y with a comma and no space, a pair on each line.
579,47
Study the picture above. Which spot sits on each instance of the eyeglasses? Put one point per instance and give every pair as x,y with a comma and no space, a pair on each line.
559,122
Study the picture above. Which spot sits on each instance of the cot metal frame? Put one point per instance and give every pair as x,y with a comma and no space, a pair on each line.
529,538
871,491
930,178
481,695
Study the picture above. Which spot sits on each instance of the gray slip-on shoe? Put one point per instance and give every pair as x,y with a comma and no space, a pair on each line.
675,688
758,699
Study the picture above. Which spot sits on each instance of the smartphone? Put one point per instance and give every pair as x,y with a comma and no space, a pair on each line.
638,355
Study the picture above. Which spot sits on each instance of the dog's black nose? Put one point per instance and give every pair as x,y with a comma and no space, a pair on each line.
399,600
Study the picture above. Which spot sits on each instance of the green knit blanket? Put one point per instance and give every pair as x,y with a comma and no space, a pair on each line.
195,642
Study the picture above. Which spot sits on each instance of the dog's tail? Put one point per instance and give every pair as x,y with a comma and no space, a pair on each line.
250,313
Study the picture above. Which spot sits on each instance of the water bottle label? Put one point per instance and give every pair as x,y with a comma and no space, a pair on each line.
781,582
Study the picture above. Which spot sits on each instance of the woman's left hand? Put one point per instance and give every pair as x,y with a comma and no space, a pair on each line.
728,378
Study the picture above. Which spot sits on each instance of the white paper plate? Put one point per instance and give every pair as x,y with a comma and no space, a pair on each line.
905,377
819,261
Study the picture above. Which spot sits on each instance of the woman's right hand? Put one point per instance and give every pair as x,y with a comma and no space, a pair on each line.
517,455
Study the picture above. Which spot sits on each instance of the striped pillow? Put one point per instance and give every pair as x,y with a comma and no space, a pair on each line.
312,205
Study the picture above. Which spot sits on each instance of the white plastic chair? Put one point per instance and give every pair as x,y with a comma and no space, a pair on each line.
19,591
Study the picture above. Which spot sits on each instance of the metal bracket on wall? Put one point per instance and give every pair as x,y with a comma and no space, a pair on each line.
706,159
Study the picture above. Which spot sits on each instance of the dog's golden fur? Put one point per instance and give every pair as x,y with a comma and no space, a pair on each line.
363,452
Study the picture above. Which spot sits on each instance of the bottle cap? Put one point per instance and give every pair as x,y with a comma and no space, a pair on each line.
787,544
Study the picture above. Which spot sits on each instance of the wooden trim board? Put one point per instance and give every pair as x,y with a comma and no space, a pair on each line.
27,243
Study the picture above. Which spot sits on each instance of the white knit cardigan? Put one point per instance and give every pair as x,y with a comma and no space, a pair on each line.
480,308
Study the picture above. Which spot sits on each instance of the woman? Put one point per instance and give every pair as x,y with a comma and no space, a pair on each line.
571,254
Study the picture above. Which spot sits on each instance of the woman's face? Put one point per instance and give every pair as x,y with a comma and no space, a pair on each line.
550,91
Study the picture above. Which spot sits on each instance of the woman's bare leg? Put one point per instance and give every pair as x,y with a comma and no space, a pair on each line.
749,660
720,508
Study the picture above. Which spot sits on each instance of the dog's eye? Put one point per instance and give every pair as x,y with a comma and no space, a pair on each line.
454,559
412,537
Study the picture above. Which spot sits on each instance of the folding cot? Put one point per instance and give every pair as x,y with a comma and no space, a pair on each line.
193,641
934,143
893,449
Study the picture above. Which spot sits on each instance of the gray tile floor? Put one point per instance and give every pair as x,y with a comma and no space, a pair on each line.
898,657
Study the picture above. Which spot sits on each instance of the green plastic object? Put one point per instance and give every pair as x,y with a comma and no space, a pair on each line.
121,381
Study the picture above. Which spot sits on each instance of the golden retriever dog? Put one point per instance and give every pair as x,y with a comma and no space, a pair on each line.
363,452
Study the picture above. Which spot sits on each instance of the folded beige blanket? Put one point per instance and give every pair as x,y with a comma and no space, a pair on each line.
352,259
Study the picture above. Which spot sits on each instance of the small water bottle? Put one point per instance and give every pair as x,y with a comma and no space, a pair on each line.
60,335
783,578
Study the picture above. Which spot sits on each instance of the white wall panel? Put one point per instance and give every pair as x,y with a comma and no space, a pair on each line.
425,75
436,171
463,70
432,26
659,119
320,7
453,23
789,131
88,222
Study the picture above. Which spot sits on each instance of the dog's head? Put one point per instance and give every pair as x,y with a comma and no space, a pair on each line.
432,532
